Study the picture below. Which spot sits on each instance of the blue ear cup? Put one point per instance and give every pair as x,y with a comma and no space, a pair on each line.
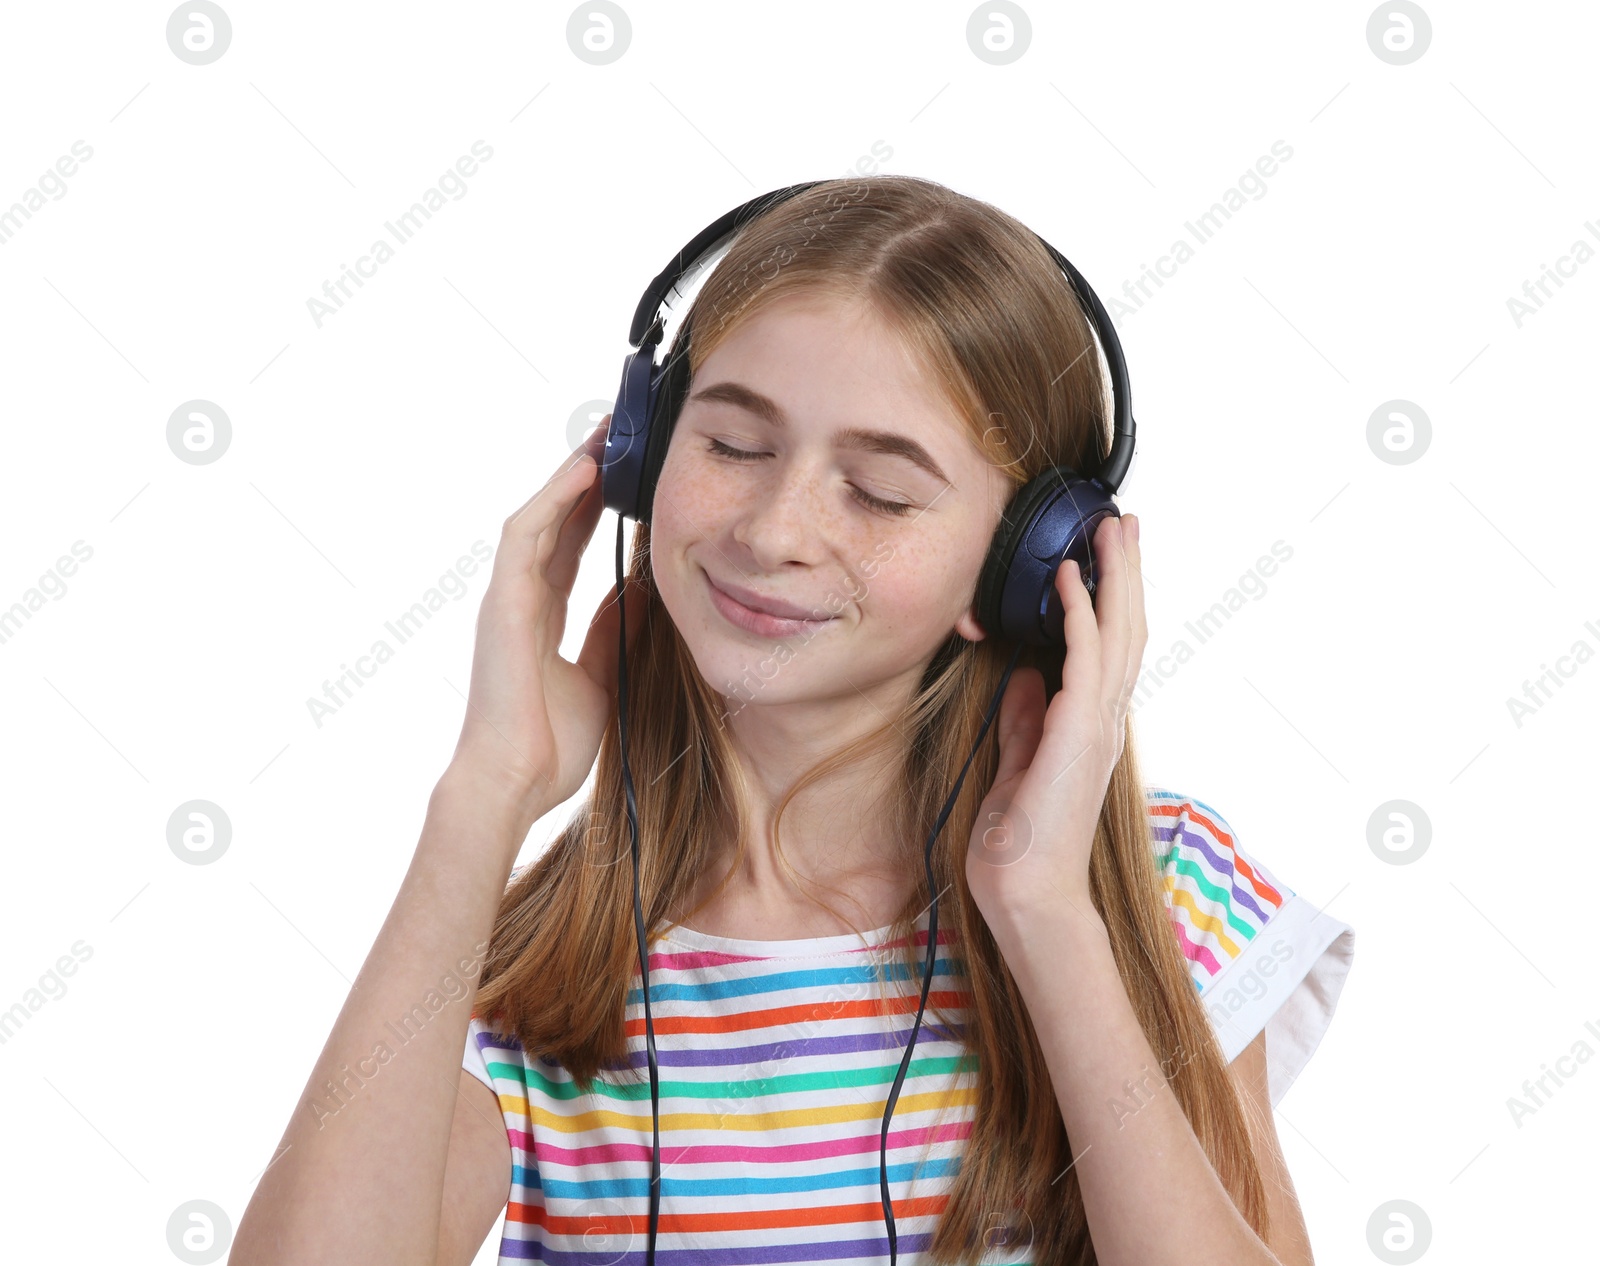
1050,522
648,400
622,462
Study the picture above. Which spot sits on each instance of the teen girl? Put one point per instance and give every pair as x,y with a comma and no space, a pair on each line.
1120,994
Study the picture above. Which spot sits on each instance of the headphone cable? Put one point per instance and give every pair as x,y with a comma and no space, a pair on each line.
927,971
638,909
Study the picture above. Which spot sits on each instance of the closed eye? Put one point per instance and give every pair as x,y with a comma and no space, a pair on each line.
866,498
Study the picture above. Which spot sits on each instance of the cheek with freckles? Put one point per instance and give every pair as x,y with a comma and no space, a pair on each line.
914,584
680,525
686,503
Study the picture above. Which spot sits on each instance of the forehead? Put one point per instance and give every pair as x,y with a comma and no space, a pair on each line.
830,361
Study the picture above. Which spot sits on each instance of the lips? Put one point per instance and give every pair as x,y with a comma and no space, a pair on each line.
768,606
756,619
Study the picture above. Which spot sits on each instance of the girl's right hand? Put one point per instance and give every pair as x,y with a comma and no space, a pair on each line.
534,721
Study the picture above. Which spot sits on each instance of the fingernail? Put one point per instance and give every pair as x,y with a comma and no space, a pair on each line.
1135,529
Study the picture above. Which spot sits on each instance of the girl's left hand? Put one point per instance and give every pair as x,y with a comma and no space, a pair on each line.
1030,844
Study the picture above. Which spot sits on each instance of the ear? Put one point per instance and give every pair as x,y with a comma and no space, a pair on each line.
967,625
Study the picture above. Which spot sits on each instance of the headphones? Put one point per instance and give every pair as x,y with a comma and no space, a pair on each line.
1048,521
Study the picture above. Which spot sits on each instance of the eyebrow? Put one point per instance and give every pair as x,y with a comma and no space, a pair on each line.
867,441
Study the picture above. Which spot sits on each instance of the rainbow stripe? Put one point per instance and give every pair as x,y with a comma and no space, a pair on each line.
1218,899
775,1062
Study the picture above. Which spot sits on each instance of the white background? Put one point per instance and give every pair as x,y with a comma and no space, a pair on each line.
369,454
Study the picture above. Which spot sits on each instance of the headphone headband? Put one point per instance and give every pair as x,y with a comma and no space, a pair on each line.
646,317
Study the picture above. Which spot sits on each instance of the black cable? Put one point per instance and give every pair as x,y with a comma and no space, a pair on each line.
638,909
927,971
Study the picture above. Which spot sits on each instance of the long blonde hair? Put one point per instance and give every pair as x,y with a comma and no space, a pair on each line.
991,316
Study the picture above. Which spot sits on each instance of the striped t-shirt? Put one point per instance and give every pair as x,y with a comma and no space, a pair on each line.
776,1059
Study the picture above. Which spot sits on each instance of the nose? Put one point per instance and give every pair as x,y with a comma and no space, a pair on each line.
786,518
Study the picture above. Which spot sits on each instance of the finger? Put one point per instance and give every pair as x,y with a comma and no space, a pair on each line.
592,447
1080,672
561,568
560,560
543,498
1113,607
549,507
594,443
1140,625
546,510
584,491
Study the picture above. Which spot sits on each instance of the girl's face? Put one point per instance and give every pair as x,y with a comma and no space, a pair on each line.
814,470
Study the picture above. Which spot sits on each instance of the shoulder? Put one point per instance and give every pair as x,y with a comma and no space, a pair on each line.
1260,956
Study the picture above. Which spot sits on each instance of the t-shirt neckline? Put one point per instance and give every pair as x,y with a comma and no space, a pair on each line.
804,947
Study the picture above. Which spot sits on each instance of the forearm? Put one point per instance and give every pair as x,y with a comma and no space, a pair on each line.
1150,1193
359,1172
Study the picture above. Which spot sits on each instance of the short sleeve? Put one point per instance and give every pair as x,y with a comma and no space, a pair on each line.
472,1059
1259,956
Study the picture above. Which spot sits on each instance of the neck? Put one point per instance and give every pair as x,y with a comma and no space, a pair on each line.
842,865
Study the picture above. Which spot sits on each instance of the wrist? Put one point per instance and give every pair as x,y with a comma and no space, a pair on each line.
516,805
1065,926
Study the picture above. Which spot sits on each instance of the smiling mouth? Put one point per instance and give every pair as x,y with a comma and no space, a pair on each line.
758,622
